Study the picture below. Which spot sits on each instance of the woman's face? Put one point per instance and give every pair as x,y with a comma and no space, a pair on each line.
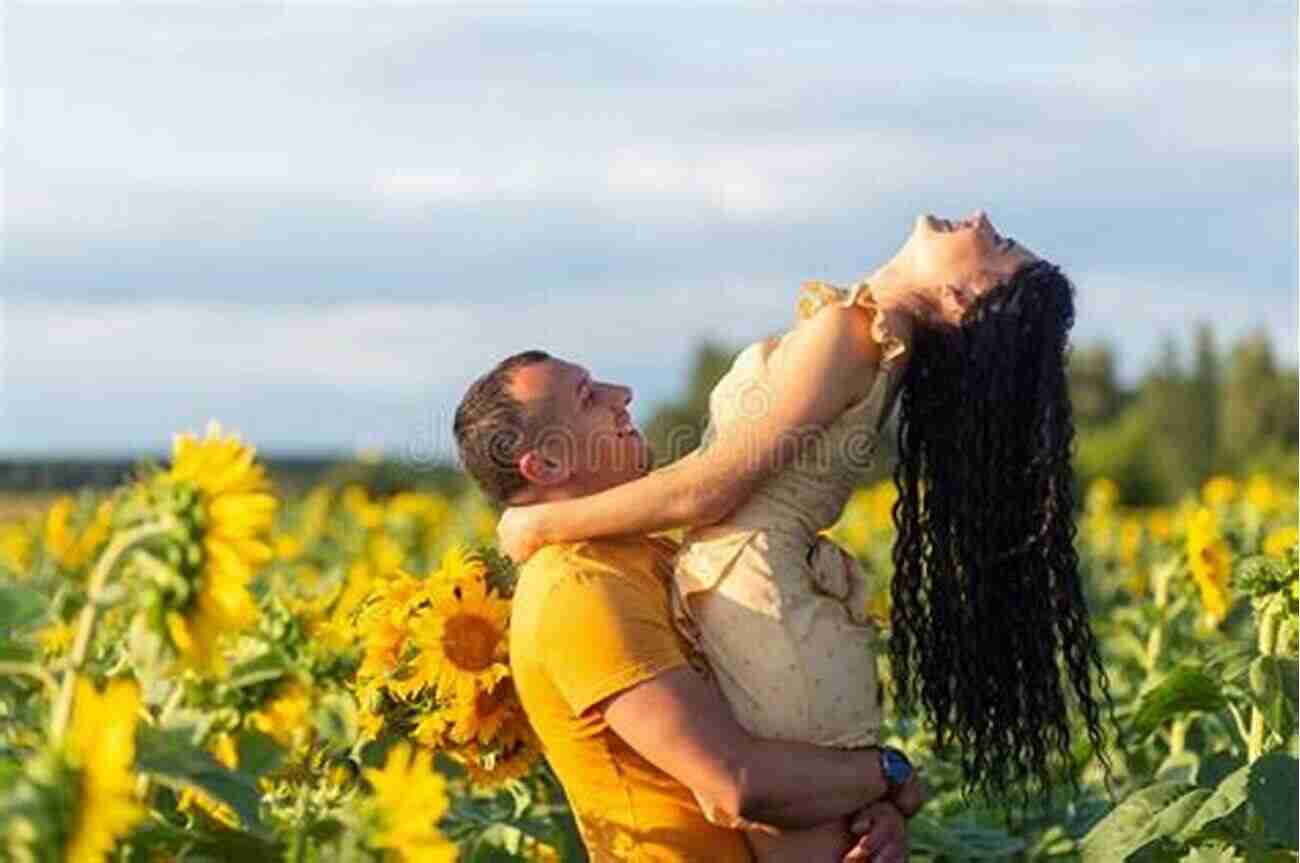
969,251
945,265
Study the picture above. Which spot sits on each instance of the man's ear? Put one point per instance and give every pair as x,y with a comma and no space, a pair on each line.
540,470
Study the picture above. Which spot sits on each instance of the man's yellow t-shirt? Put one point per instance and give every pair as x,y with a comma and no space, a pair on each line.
588,620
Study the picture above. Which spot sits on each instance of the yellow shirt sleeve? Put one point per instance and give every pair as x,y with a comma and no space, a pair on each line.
600,633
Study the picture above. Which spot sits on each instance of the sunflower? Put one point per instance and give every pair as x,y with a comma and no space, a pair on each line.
101,744
1130,539
15,546
516,752
385,643
1160,523
431,730
1103,494
397,597
461,639
360,581
321,627
69,548
1099,520
287,546
410,797
236,513
369,724
1219,490
334,634
419,513
1100,525
480,717
1279,540
460,564
504,769
285,716
384,553
357,503
1210,562
1261,494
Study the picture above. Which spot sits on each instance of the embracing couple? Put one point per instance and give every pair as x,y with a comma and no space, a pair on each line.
717,699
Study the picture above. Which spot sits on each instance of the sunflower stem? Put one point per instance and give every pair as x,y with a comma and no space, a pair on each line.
1178,736
104,567
173,701
1268,620
297,850
1155,641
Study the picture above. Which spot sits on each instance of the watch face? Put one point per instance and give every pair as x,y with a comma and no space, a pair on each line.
897,768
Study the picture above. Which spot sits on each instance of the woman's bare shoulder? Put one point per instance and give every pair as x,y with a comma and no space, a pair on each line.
846,329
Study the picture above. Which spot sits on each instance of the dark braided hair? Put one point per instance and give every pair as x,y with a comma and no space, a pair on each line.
986,590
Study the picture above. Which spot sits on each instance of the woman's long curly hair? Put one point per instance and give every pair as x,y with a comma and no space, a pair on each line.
990,630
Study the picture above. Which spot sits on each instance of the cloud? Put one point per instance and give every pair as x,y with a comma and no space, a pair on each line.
132,370
363,204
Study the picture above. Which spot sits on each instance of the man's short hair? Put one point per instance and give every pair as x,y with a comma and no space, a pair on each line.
492,428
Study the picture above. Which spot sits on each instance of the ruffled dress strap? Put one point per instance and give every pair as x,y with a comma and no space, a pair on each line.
892,331
814,295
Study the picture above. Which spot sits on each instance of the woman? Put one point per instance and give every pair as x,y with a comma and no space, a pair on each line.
967,331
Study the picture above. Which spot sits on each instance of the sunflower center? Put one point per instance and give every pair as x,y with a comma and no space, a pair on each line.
470,641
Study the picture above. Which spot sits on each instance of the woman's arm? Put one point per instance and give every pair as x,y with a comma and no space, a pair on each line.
818,372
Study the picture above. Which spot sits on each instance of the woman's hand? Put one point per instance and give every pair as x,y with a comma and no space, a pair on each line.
519,532
881,835
910,796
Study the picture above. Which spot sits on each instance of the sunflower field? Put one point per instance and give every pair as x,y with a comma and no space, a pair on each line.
196,668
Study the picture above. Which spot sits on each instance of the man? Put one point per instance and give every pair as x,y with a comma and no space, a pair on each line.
634,731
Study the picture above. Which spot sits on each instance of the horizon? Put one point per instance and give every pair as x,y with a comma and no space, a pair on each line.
435,458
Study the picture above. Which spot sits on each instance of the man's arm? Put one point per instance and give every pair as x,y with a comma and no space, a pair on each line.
680,723
607,643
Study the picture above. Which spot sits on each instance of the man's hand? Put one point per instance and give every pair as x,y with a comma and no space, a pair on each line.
519,532
882,835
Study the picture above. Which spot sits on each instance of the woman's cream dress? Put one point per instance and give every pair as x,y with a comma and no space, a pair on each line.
779,610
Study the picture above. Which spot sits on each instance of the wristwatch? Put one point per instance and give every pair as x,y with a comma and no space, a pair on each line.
895,767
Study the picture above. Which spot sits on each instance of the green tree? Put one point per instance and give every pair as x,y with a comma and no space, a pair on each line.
675,427
1094,392
1205,386
1175,448
1258,410
1121,450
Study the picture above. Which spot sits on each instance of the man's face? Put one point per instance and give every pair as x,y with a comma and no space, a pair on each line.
587,441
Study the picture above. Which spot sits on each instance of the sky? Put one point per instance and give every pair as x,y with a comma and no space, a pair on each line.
318,222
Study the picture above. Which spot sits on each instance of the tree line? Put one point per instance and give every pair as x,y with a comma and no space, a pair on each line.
1184,419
